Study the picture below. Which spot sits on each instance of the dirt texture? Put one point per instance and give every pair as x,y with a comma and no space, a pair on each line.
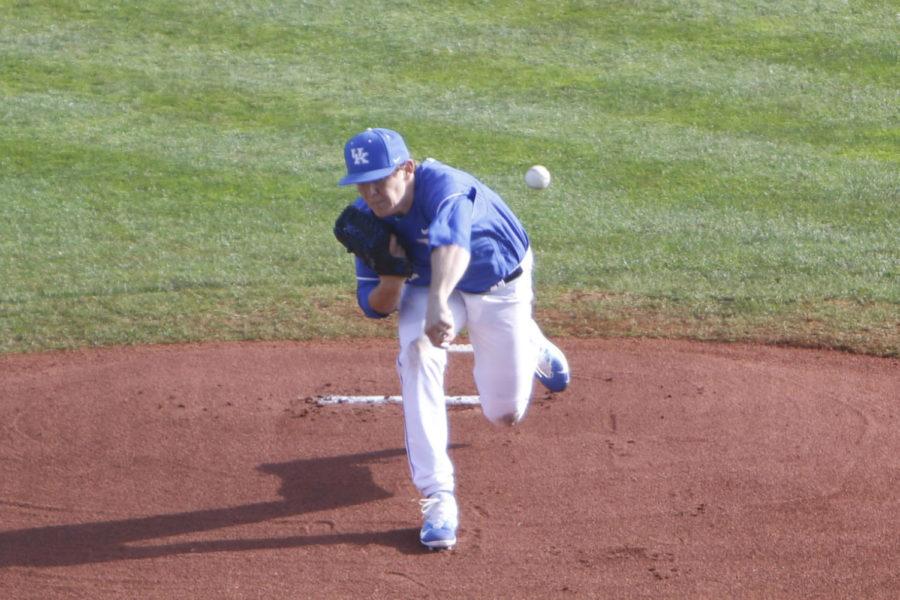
667,470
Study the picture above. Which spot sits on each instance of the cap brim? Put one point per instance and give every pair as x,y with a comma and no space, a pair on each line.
366,176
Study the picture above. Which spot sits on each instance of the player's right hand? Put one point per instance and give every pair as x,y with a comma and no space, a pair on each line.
439,323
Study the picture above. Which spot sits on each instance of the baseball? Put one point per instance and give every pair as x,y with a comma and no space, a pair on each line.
537,177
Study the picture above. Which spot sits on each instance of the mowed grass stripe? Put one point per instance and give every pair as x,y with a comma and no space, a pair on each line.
665,76
716,160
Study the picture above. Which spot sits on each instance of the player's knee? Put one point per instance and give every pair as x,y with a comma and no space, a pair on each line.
411,354
418,355
503,418
508,420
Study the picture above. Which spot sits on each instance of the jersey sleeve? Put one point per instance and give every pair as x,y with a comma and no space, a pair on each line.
452,224
366,280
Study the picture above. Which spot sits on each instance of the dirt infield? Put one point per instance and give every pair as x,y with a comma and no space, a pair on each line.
668,470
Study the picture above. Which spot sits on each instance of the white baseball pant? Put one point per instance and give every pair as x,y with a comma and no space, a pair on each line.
505,340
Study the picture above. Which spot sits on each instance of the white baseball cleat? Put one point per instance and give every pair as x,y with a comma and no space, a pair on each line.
441,520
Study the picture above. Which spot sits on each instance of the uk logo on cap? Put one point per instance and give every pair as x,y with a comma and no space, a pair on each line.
373,155
360,156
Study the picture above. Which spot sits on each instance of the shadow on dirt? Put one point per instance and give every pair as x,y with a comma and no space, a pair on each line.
307,486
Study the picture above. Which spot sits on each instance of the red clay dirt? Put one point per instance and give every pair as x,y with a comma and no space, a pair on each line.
667,470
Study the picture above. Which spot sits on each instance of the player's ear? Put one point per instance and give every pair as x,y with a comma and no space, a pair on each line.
409,168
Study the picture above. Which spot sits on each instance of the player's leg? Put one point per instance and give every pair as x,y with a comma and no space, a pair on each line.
506,344
421,367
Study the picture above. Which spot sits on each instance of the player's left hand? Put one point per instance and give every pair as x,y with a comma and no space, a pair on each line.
372,240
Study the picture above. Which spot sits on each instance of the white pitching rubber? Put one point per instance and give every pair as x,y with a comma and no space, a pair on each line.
332,400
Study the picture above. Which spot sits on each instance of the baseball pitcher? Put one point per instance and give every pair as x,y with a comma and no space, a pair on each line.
439,247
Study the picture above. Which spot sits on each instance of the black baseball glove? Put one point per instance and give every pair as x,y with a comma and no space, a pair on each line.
369,238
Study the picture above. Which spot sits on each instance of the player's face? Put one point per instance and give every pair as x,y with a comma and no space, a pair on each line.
389,196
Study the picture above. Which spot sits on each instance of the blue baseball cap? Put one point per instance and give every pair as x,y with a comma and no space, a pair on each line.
372,155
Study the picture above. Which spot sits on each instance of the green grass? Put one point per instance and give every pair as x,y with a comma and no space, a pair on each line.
721,170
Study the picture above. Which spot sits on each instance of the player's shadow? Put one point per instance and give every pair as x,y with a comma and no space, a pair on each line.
307,486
